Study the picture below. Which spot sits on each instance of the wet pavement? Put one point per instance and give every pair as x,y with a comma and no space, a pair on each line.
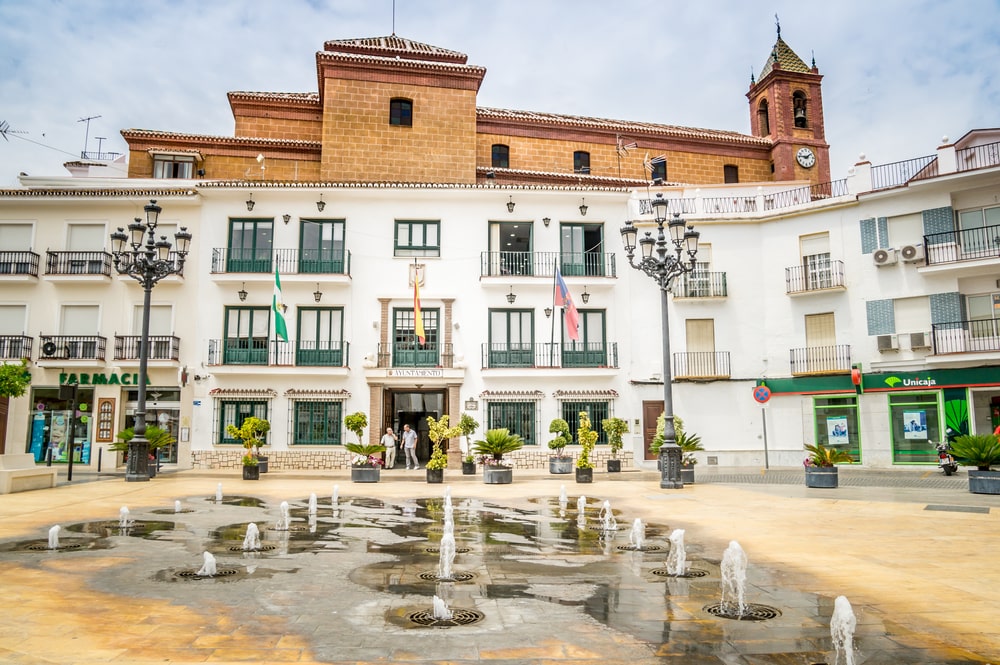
533,580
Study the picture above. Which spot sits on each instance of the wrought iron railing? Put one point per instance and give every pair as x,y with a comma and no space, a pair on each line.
265,352
72,347
700,285
821,359
313,353
722,204
542,264
161,347
701,365
413,354
19,263
978,157
550,355
286,261
962,245
15,346
896,174
807,194
966,336
816,277
78,263
683,206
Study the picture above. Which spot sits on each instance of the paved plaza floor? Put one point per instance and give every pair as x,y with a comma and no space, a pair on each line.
913,552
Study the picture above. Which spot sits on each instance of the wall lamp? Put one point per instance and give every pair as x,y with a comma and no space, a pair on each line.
321,204
317,294
250,203
242,293
287,218
546,221
511,297
510,204
583,206
585,297
548,312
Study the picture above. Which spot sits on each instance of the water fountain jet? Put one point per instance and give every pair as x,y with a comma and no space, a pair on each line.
208,568
312,505
441,611
677,559
177,506
637,536
284,522
734,579
251,542
842,625
54,537
607,518
123,520
447,557
218,493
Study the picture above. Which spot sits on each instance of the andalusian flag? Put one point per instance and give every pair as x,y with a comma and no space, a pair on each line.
280,329
418,319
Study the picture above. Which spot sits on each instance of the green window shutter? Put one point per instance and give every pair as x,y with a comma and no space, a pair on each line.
947,309
939,220
869,236
881,317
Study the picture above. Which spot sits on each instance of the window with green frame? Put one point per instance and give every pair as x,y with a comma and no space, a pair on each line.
234,412
417,238
407,351
837,426
517,417
251,245
590,350
915,425
581,249
511,338
320,337
247,335
597,411
317,423
321,246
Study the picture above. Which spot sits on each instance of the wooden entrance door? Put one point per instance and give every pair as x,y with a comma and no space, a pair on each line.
651,410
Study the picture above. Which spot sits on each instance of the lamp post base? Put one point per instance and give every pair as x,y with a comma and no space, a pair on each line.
670,467
137,465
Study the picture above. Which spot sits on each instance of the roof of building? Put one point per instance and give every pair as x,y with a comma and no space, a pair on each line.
786,58
394,46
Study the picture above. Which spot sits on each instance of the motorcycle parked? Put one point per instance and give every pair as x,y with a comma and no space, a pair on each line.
946,461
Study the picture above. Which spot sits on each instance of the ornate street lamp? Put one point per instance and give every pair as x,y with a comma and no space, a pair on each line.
663,259
148,261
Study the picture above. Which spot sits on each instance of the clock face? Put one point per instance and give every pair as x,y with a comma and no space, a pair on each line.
805,157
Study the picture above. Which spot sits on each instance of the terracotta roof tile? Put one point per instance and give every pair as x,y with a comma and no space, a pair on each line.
393,46
787,60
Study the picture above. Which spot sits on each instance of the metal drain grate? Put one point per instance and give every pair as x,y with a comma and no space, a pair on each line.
753,612
45,548
644,548
293,527
458,550
432,576
193,574
598,527
690,572
460,617
262,548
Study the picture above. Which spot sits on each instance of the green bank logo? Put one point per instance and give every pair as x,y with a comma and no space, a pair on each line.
894,381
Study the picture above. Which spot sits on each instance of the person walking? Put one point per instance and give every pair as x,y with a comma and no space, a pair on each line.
410,447
389,440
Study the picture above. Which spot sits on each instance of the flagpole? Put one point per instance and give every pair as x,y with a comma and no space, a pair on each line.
552,322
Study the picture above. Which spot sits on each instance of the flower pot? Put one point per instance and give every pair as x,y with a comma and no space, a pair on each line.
984,482
152,468
584,475
468,468
560,465
262,463
687,474
364,474
614,466
251,473
498,475
435,475
821,476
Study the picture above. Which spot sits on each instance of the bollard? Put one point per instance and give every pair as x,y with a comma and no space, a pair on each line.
100,452
48,457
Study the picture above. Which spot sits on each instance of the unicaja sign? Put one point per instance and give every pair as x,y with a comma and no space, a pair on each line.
896,382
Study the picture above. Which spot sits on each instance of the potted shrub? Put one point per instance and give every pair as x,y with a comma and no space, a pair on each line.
491,449
560,463
157,438
689,443
587,438
468,425
615,428
820,465
438,431
981,451
251,432
367,461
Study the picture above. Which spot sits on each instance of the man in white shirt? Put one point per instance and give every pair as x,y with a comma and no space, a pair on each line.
410,447
389,440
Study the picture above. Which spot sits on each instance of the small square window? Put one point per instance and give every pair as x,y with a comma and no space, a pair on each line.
731,173
417,238
401,112
581,161
501,156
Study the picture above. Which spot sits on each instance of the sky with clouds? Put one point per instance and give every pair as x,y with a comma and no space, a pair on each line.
898,74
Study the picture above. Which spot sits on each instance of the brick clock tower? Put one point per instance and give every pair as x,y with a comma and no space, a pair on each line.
786,105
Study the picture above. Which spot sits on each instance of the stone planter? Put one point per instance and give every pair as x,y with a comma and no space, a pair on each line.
584,475
251,473
468,468
152,468
435,475
984,482
498,475
262,463
687,474
365,474
821,476
560,465
614,466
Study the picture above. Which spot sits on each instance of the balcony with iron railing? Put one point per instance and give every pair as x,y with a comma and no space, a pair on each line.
78,263
414,354
962,245
820,276
978,157
806,194
19,263
700,285
897,174
263,352
161,347
72,347
15,347
542,264
967,336
701,365
821,360
286,261
556,355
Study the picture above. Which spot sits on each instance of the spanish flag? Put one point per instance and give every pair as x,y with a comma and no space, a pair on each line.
418,319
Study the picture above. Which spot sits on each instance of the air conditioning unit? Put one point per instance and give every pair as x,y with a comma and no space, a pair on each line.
920,340
912,253
887,343
52,350
884,257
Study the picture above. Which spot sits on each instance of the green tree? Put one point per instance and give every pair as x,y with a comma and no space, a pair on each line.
14,379
587,438
438,431
615,428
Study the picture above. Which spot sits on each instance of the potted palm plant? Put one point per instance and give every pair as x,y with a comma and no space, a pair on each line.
251,432
615,428
560,463
689,444
468,425
157,438
367,461
491,449
981,451
820,465
587,438
438,431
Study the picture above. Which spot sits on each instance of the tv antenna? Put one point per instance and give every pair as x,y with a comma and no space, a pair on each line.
86,139
5,130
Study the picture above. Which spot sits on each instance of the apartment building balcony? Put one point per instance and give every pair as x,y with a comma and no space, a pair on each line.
700,285
820,276
701,365
550,355
543,264
161,348
259,352
965,337
961,252
235,265
15,347
18,264
834,359
413,354
78,265
72,347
